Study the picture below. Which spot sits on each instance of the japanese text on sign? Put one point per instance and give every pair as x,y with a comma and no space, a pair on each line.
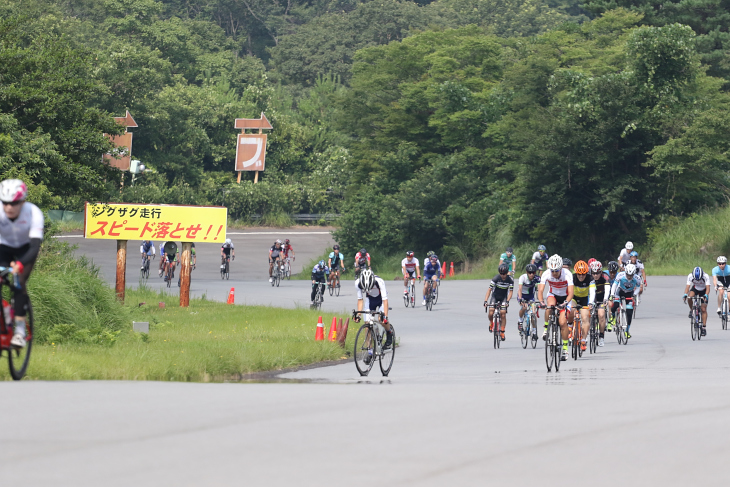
122,221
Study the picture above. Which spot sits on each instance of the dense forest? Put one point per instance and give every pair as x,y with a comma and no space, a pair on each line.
457,124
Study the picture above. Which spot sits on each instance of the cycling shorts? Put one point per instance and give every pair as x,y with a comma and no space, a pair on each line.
429,275
411,274
723,281
170,258
583,302
698,293
561,300
373,303
528,297
494,298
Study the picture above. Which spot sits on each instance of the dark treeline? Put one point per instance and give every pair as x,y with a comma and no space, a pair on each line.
463,124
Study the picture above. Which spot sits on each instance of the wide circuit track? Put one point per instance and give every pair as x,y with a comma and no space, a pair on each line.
453,412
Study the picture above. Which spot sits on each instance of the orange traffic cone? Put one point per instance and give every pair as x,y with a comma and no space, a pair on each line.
451,271
231,296
333,330
342,332
319,336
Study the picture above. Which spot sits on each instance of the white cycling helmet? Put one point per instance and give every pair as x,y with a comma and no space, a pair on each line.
630,269
12,190
228,241
629,246
596,266
367,280
722,260
555,263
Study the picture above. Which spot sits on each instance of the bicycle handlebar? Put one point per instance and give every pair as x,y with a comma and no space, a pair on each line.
4,271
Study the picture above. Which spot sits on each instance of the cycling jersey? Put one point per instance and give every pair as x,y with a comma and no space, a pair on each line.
28,225
162,248
723,276
639,267
528,286
625,284
373,298
335,259
557,286
285,249
700,285
430,270
585,289
501,286
508,260
318,272
539,260
624,257
275,252
147,248
410,265
601,285
358,257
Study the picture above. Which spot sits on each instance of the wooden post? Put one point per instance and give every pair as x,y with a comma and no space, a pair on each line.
121,269
256,177
185,274
239,177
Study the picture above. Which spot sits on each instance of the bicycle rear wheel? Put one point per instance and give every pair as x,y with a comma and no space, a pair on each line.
19,358
435,294
386,359
364,351
723,314
525,333
407,298
549,355
693,328
533,327
557,345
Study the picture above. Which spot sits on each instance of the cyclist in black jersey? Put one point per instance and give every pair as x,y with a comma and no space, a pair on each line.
603,289
500,290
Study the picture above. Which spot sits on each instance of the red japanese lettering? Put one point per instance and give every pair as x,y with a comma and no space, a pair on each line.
179,228
147,228
102,226
163,228
192,231
114,226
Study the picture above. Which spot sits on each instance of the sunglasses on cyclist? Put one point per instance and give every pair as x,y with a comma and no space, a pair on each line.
12,203
721,264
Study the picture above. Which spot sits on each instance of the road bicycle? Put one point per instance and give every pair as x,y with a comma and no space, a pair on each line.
497,327
333,283
18,358
276,273
724,308
318,295
436,291
620,327
409,298
370,344
553,339
170,273
226,266
287,268
529,326
695,322
431,295
594,331
144,272
575,337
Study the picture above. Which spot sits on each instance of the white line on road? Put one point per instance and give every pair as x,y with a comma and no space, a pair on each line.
68,236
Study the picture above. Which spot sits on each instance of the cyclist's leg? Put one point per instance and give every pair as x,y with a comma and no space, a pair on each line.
271,267
585,320
629,307
690,295
601,321
503,313
704,311
563,319
20,295
720,296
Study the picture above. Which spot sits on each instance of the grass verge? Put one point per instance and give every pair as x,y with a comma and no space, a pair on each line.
209,341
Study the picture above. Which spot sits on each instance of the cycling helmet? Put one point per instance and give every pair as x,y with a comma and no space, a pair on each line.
321,264
555,263
531,268
434,257
367,279
568,262
12,190
503,269
336,247
698,273
634,253
630,269
409,253
629,246
509,250
591,261
581,267
541,248
430,253
228,241
596,266
613,266
286,241
363,251
722,260
278,240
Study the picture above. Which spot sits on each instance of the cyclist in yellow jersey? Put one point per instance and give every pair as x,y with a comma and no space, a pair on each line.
584,295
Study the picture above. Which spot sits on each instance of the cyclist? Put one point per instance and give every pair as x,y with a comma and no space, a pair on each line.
334,262
526,290
602,284
584,296
634,259
163,260
509,258
363,254
170,259
431,272
146,249
624,256
540,257
698,284
721,280
287,249
228,252
21,234
319,273
500,290
274,254
410,268
626,285
371,292
567,263
611,274
560,293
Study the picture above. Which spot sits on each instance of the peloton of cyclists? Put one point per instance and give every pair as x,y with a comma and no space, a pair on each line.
721,280
431,273
410,268
499,291
559,282
698,284
21,234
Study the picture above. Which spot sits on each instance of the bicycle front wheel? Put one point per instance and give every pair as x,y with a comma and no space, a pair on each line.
723,314
386,358
525,334
435,294
19,358
364,351
533,326
337,286
332,289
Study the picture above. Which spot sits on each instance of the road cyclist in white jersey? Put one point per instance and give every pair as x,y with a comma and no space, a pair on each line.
640,269
698,284
371,294
628,286
21,234
559,282
624,257
526,287
540,257
721,280
411,269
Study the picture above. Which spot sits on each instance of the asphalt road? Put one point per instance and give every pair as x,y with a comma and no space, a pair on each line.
454,411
